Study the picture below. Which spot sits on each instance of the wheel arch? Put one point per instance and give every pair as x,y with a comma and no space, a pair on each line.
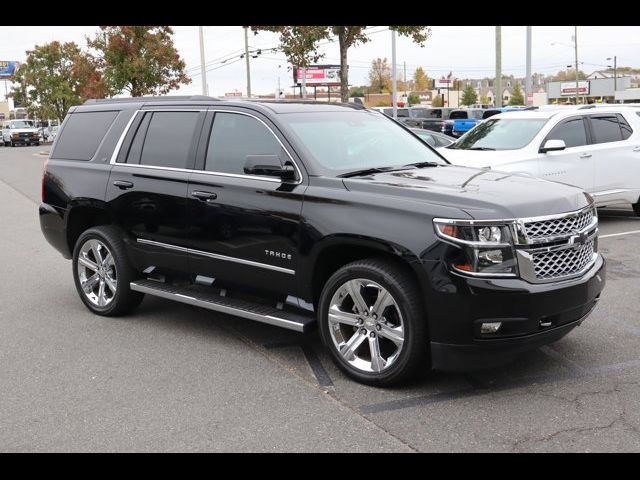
82,215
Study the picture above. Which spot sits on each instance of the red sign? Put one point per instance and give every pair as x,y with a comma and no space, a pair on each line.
530,98
319,75
233,94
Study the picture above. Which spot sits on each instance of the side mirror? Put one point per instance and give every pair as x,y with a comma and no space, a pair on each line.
269,166
553,146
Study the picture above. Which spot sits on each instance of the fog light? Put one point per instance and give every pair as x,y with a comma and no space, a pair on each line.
490,327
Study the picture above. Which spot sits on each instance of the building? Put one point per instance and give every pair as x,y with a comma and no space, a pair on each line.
590,90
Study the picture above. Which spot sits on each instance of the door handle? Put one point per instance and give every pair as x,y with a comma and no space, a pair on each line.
204,196
123,184
585,155
636,149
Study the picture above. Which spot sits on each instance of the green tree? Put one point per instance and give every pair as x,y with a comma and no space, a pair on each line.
357,91
55,77
141,60
484,99
414,98
469,96
437,101
380,76
517,97
421,80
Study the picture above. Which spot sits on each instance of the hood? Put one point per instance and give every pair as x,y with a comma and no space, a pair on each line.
480,158
483,194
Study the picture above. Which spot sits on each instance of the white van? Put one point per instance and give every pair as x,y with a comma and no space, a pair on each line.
20,132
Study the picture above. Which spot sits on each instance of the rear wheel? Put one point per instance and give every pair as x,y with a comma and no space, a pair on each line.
371,318
102,272
636,207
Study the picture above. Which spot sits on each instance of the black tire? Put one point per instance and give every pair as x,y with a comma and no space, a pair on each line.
395,278
124,300
636,207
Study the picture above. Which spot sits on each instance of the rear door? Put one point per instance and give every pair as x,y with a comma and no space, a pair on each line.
573,165
147,187
616,156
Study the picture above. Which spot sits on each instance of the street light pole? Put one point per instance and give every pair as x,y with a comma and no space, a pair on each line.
394,83
203,71
575,40
498,83
246,54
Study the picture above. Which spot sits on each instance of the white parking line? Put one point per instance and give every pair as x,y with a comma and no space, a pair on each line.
618,234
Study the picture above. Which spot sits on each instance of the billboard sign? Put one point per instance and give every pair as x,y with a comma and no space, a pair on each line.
318,75
569,88
7,69
233,94
444,83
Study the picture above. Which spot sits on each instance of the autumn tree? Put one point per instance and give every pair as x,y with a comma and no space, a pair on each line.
517,98
141,60
55,77
484,99
421,81
437,101
565,76
380,75
469,96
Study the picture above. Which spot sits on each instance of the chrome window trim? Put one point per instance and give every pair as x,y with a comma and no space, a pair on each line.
217,256
118,147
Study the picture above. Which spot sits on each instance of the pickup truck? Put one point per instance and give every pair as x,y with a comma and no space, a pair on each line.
302,215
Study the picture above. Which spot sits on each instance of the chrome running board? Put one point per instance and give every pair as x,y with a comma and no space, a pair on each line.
300,322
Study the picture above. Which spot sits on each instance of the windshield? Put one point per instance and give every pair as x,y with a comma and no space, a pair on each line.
348,141
501,134
22,124
420,112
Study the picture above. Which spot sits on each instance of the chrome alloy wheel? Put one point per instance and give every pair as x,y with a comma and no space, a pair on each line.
97,272
366,325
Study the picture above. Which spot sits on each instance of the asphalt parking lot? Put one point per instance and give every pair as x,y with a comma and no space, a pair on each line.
176,378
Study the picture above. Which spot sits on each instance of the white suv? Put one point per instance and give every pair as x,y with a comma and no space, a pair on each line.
595,149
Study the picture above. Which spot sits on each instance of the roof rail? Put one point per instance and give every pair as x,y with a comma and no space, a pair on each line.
168,98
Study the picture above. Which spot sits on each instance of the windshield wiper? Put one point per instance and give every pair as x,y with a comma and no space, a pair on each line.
481,148
423,164
367,171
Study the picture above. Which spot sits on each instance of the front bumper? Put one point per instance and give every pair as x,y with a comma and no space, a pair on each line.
532,315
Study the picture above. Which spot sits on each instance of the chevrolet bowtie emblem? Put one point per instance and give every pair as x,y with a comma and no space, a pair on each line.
580,238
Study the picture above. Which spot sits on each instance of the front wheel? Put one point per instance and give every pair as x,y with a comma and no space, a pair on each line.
372,320
102,272
636,207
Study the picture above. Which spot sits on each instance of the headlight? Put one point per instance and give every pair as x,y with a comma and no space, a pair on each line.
483,249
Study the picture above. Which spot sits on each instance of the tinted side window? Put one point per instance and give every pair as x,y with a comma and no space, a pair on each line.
233,137
460,114
572,132
136,145
169,139
605,129
82,135
625,128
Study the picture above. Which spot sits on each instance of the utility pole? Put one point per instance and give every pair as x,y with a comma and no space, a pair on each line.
394,82
527,84
405,75
246,55
304,83
203,71
615,75
575,41
498,83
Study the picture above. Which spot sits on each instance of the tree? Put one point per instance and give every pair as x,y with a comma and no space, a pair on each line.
469,96
437,101
565,76
55,77
517,98
380,76
484,99
141,60
422,80
357,91
414,98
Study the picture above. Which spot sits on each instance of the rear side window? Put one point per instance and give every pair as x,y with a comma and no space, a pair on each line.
458,115
571,131
233,138
169,139
625,128
82,135
605,128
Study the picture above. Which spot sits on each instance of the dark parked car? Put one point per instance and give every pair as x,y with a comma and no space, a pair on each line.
299,214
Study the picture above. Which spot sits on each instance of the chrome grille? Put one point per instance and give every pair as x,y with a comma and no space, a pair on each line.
559,226
562,263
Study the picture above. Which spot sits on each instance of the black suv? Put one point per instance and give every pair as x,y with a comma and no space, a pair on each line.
296,214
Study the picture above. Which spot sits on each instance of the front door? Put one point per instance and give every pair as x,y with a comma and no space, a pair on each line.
573,165
147,187
244,228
